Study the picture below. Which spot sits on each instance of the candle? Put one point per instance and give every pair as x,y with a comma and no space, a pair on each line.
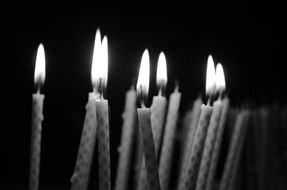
190,172
237,134
37,117
101,73
145,126
233,173
189,132
221,125
169,139
127,139
81,173
158,107
211,133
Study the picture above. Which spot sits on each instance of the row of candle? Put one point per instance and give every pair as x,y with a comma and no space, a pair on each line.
152,175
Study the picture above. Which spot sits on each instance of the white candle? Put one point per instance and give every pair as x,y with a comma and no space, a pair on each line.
37,117
189,132
237,134
127,139
100,76
212,131
158,107
191,171
80,178
221,125
147,139
166,156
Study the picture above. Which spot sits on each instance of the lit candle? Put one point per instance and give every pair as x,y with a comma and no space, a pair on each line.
80,178
37,117
145,126
221,126
127,139
211,133
191,171
101,73
158,107
169,139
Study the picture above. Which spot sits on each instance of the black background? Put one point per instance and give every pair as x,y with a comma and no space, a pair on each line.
244,37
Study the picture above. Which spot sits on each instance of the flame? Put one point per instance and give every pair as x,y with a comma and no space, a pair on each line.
100,62
210,76
143,78
220,79
40,67
161,75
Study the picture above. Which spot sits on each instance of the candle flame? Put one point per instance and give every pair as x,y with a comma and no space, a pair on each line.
100,62
161,75
40,67
210,77
220,79
143,78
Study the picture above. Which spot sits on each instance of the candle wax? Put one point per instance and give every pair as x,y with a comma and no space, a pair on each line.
81,174
127,139
238,131
103,144
169,140
217,145
189,132
158,109
209,146
190,172
37,117
148,148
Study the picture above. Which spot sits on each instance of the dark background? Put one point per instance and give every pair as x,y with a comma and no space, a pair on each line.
244,37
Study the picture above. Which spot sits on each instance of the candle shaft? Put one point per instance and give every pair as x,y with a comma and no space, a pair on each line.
37,117
234,145
190,172
189,132
217,145
158,109
209,146
148,148
80,178
168,140
127,139
103,144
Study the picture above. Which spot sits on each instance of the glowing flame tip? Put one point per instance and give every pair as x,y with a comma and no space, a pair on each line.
144,72
161,75
40,67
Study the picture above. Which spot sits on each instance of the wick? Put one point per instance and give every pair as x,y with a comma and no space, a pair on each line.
142,97
99,88
161,91
38,86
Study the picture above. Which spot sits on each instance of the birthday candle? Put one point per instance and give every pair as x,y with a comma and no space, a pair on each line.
145,126
208,146
169,139
101,73
37,117
128,132
190,173
189,132
158,107
212,131
81,173
233,148
217,145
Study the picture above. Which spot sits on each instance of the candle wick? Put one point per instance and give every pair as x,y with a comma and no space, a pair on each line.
161,91
142,96
38,86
